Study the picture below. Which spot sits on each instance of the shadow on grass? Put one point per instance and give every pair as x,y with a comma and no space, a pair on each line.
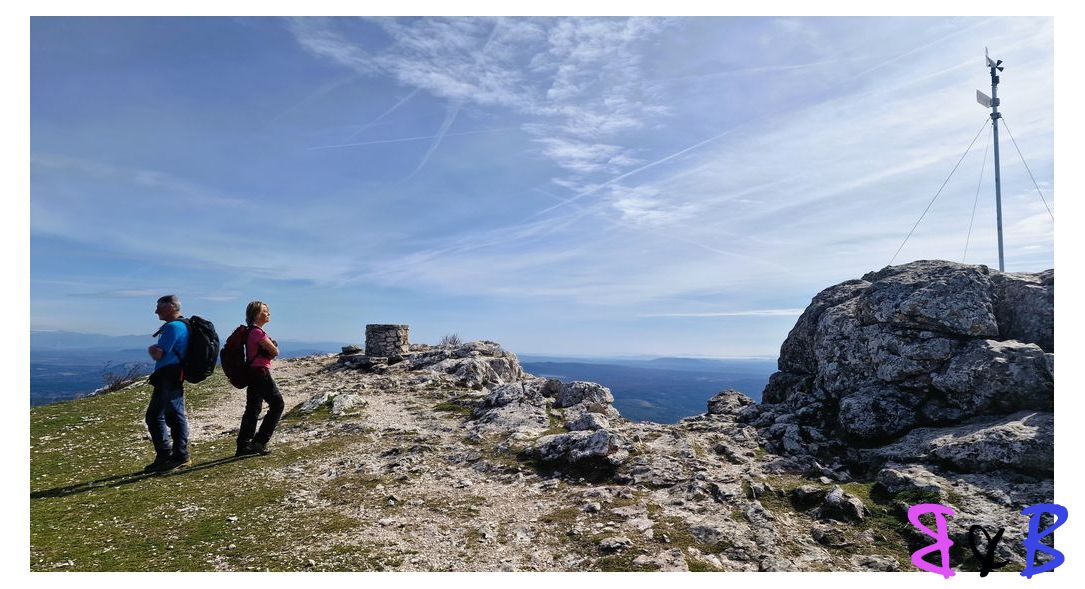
129,478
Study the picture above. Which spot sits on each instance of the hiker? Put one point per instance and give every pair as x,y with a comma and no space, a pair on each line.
259,351
167,406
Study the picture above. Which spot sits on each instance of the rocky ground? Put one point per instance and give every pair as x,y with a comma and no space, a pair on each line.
466,478
452,458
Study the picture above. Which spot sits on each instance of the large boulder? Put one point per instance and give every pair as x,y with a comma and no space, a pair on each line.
515,408
581,449
944,297
1022,442
728,403
924,344
576,392
1025,307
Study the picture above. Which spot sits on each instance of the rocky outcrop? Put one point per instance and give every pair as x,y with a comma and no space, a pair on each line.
927,382
934,380
920,347
477,365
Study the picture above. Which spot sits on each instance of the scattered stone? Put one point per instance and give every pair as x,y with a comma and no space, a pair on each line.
875,563
615,543
842,506
828,535
807,496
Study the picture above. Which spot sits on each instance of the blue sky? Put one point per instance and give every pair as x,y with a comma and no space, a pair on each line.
678,186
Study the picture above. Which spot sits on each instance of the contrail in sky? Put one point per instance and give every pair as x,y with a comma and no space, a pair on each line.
441,133
595,189
405,139
451,116
383,114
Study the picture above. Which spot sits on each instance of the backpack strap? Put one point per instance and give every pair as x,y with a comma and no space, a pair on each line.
248,331
188,327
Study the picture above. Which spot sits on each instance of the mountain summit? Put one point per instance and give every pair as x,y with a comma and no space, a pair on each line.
927,382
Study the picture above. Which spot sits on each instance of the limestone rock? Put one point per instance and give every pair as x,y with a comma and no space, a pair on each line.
1024,442
576,392
615,543
588,421
911,478
914,346
668,560
875,563
517,407
728,402
806,496
997,377
315,402
1021,442
1025,307
828,534
581,448
842,506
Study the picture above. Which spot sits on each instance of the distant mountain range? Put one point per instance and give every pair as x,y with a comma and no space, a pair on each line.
65,364
69,340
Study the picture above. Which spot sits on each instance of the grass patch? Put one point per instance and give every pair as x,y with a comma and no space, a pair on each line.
556,425
452,406
92,506
565,516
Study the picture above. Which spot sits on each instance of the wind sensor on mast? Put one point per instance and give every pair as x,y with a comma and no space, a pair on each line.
992,103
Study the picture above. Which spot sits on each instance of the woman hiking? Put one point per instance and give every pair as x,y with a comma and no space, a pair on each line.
259,351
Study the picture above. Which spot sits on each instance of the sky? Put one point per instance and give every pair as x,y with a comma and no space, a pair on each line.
564,186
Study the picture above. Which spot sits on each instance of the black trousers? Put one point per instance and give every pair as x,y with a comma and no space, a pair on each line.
262,389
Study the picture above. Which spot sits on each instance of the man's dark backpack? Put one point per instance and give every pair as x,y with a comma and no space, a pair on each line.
203,349
234,363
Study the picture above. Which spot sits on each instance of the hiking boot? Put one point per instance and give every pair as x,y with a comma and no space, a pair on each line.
258,448
182,463
243,450
176,462
160,463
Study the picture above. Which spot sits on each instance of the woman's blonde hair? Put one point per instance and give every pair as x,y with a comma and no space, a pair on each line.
252,310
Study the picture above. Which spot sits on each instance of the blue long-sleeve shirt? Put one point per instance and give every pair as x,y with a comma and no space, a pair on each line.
174,343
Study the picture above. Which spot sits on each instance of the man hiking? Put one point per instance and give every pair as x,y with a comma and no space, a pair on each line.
167,406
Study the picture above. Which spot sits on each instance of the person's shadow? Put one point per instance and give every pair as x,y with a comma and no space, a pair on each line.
129,478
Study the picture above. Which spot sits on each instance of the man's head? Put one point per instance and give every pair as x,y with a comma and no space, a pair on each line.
168,308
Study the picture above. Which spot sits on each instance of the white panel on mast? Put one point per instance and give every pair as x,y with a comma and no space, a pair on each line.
983,99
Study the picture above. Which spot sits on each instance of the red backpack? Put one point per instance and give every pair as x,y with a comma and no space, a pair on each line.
234,362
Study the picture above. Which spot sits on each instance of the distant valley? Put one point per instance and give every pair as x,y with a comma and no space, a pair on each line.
662,390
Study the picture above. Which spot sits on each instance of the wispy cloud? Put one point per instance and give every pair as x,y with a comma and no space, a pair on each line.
546,69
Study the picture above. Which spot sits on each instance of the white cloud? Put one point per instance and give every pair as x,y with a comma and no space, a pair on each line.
580,79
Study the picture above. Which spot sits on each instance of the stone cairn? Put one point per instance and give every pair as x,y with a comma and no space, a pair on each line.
386,340
381,343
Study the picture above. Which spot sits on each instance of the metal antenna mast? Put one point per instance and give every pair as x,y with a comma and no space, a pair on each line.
992,102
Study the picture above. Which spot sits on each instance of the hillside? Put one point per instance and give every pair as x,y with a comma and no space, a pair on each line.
453,458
